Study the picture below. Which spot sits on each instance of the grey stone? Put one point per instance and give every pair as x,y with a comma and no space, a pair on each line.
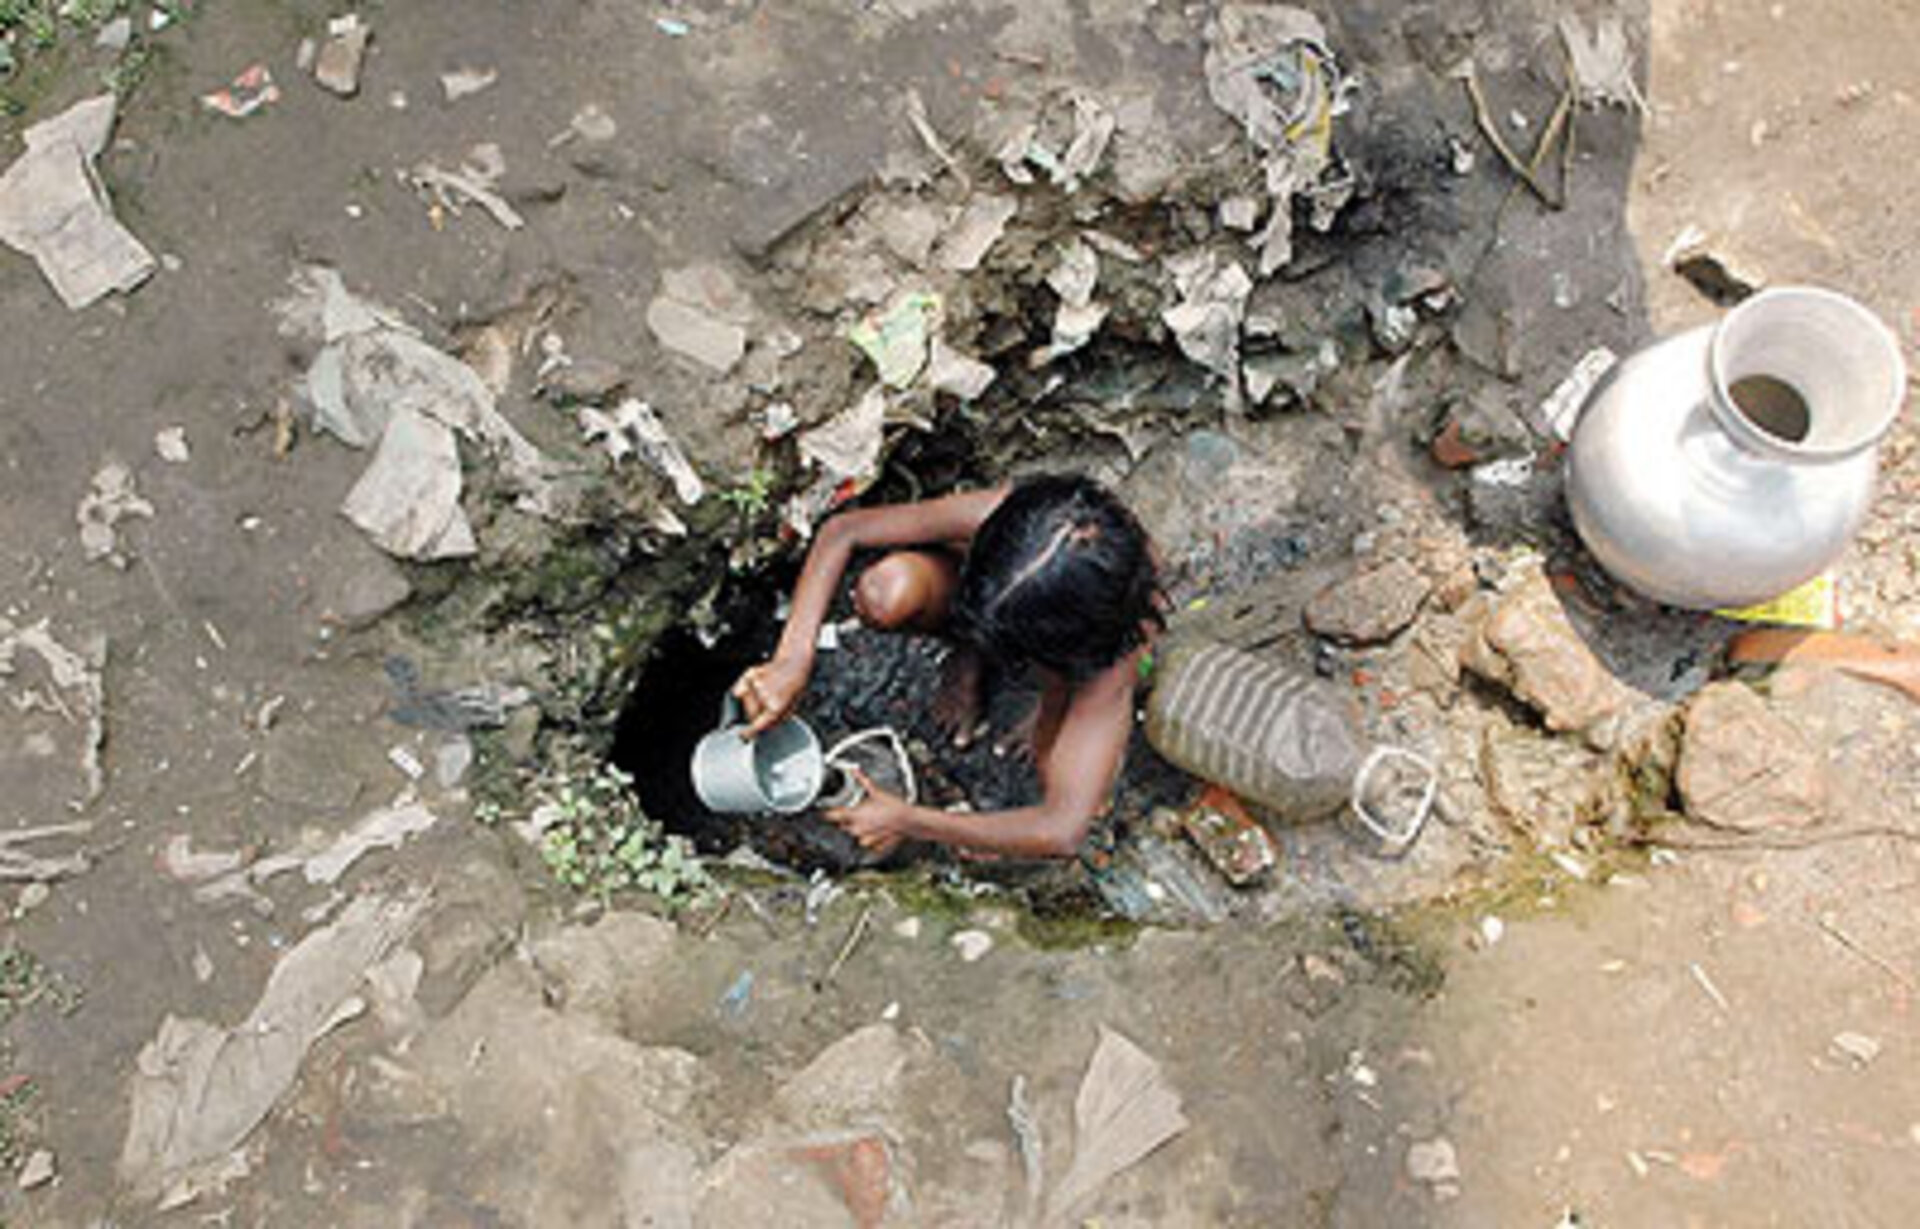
1370,607
592,380
373,590
713,343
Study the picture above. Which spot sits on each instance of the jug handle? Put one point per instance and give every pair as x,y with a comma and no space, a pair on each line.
731,714
1395,840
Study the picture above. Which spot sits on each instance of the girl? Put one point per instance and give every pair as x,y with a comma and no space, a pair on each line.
1052,573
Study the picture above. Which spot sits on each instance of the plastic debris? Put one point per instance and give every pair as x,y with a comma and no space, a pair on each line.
198,1090
54,208
633,429
337,66
672,27
1090,126
1815,604
1078,317
974,233
1269,67
407,762
376,383
1561,409
956,374
1433,1162
1125,1110
702,314
1602,63
847,446
474,181
1213,302
897,336
110,500
386,828
249,92
466,82
170,445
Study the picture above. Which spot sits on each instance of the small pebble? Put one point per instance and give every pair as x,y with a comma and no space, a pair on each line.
972,944
907,928
1433,1161
1858,1047
32,897
38,1171
171,446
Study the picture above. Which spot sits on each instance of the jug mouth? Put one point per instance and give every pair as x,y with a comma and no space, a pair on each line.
1805,373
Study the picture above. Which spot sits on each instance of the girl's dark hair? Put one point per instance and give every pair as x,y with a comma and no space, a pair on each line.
1060,575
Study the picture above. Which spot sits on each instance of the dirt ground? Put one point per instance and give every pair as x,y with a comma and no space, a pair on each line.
1693,1037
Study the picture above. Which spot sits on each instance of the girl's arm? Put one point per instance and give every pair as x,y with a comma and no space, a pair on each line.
770,691
1078,773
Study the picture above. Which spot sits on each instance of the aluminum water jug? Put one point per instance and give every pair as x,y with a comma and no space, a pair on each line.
1727,465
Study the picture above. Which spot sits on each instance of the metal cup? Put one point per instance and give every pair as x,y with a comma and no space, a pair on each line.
780,770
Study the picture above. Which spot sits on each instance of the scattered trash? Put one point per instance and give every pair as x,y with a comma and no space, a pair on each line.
733,1004
672,27
37,1171
337,67
375,382
1240,213
111,500
1708,988
1232,840
479,173
1814,605
407,762
972,236
897,337
1602,64
170,445
1276,739
847,446
1895,663
54,209
1125,1110
1560,412
1492,930
32,896
1206,321
956,374
202,965
199,1090
466,82
1857,1048
633,429
1078,317
386,828
1269,67
907,928
249,92
455,710
73,692
971,944
702,314
1032,1145
1067,145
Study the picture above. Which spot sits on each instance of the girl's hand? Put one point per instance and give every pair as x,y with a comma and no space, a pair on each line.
769,691
879,821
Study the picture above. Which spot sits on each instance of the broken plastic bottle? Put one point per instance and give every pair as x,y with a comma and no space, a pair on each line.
1283,741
